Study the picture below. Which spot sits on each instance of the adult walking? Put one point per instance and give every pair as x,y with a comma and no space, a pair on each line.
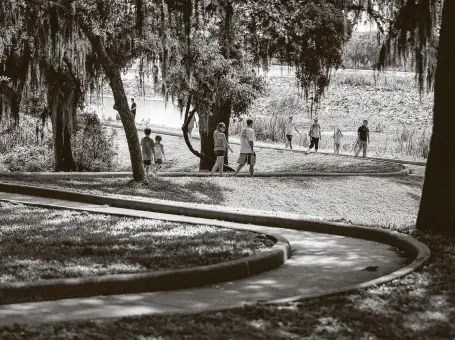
289,132
363,138
133,108
315,135
247,155
220,146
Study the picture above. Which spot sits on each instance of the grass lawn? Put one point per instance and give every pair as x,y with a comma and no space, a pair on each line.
420,306
360,200
179,158
38,243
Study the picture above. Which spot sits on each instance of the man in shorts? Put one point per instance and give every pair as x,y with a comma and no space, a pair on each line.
289,131
315,135
363,138
247,155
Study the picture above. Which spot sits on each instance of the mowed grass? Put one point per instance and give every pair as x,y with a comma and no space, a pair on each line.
419,306
39,244
369,201
179,158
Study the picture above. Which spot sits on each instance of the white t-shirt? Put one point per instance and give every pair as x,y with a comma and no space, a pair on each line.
337,137
247,135
290,128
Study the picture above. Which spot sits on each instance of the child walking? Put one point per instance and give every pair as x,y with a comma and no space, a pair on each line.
337,135
148,151
159,154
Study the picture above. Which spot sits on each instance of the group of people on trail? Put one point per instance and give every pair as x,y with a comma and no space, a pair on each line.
152,152
363,137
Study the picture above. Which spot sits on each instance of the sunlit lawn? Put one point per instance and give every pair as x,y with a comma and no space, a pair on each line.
360,200
39,243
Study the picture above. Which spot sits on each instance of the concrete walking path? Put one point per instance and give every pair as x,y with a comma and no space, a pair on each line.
320,263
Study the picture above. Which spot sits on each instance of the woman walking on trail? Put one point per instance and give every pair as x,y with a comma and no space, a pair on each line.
337,135
220,146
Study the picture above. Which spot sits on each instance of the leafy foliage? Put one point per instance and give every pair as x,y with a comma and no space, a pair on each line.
94,149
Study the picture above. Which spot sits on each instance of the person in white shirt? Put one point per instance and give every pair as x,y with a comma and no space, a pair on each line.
289,131
337,135
315,135
247,154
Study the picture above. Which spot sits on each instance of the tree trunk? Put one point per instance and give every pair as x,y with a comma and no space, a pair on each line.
437,206
132,138
207,126
63,153
121,102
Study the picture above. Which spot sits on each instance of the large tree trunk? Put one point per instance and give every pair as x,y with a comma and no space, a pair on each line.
207,126
63,154
437,206
121,102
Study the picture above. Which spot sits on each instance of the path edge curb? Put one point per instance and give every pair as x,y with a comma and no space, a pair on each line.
415,249
165,280
403,172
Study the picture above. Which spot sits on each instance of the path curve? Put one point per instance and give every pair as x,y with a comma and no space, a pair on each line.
323,262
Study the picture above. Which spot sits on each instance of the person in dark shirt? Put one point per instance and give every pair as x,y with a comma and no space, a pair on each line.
133,108
363,138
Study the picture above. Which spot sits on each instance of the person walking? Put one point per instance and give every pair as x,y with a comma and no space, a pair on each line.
289,131
315,135
247,154
363,138
337,135
148,152
220,146
159,154
133,108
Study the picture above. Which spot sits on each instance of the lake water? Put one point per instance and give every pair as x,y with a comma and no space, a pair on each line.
155,111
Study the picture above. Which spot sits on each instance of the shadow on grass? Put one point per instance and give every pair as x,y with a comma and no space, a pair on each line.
198,190
46,244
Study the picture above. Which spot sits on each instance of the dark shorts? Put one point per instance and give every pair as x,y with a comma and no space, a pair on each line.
245,158
147,162
158,161
289,137
219,153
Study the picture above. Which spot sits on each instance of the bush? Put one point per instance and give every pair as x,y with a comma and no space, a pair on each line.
94,148
32,158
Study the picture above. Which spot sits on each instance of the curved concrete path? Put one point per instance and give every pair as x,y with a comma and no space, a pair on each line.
320,264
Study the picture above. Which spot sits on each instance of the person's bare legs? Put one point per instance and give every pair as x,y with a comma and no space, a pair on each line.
220,160
147,168
215,167
364,149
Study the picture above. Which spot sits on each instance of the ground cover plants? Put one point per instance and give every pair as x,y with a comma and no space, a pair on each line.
38,244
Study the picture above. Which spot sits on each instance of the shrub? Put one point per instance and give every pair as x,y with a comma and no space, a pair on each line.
94,148
31,158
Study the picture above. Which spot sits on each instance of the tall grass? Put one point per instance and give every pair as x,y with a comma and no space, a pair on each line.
402,141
